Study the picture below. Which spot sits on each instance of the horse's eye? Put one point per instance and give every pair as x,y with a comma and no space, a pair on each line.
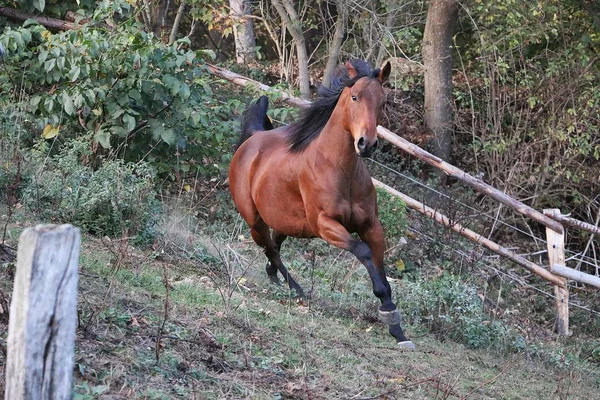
353,98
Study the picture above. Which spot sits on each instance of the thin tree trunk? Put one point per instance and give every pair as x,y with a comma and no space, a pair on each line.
147,16
288,14
389,21
437,59
175,28
163,17
243,31
336,43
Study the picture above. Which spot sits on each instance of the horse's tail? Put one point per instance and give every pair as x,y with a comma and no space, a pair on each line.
255,119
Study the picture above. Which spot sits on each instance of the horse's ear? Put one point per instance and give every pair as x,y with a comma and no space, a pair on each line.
384,72
351,70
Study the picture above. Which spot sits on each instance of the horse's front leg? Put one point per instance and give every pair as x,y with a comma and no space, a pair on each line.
388,313
370,253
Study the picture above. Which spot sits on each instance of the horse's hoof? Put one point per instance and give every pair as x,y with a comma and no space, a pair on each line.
406,345
274,280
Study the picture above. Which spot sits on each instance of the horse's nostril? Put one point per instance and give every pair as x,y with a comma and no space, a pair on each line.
362,143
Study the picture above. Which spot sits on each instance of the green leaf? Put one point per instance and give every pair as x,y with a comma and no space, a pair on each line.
50,64
49,104
78,101
43,56
74,73
129,122
168,136
135,95
26,34
29,22
184,92
67,103
39,4
103,137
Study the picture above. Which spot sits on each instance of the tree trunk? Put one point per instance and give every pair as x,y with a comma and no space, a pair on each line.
437,60
243,31
389,21
336,43
286,11
175,28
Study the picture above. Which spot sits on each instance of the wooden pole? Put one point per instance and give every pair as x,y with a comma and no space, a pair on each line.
556,254
477,238
575,275
243,81
575,223
475,183
43,315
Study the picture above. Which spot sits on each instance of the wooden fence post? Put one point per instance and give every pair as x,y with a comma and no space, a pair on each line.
43,315
556,254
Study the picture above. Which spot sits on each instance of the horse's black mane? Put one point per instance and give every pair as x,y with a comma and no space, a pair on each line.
313,119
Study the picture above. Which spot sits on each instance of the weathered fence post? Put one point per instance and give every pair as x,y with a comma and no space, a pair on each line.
556,254
43,315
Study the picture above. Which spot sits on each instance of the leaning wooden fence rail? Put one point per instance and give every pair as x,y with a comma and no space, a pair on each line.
43,315
551,219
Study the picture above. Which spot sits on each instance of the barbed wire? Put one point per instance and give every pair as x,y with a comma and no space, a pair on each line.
573,256
519,279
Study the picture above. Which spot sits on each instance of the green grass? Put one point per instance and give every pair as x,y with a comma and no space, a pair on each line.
223,340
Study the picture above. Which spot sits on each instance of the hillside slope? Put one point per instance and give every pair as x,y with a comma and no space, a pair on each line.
225,333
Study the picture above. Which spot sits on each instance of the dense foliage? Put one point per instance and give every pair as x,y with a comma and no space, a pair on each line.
532,108
136,97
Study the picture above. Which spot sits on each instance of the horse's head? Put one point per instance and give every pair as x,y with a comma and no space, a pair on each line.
364,101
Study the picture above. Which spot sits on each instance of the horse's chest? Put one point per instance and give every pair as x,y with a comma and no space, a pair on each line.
351,214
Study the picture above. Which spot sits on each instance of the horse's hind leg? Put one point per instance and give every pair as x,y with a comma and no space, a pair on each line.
261,235
272,268
278,239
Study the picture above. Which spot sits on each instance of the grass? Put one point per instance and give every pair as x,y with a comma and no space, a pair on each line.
224,332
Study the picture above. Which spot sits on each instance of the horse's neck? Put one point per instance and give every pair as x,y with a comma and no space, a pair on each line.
336,144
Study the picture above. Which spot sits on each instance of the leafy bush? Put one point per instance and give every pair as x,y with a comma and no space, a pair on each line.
135,96
392,214
115,199
451,308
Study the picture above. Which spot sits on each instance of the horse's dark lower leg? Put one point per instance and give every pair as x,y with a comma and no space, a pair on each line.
370,253
278,239
272,245
388,313
271,268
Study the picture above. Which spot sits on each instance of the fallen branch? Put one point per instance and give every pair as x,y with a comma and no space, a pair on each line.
50,23
575,223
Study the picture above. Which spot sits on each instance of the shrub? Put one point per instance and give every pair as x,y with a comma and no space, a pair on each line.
135,96
392,214
451,308
117,198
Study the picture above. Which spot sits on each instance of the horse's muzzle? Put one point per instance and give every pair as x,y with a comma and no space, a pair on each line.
364,148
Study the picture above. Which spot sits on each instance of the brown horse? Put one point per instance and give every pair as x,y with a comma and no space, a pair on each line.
308,180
